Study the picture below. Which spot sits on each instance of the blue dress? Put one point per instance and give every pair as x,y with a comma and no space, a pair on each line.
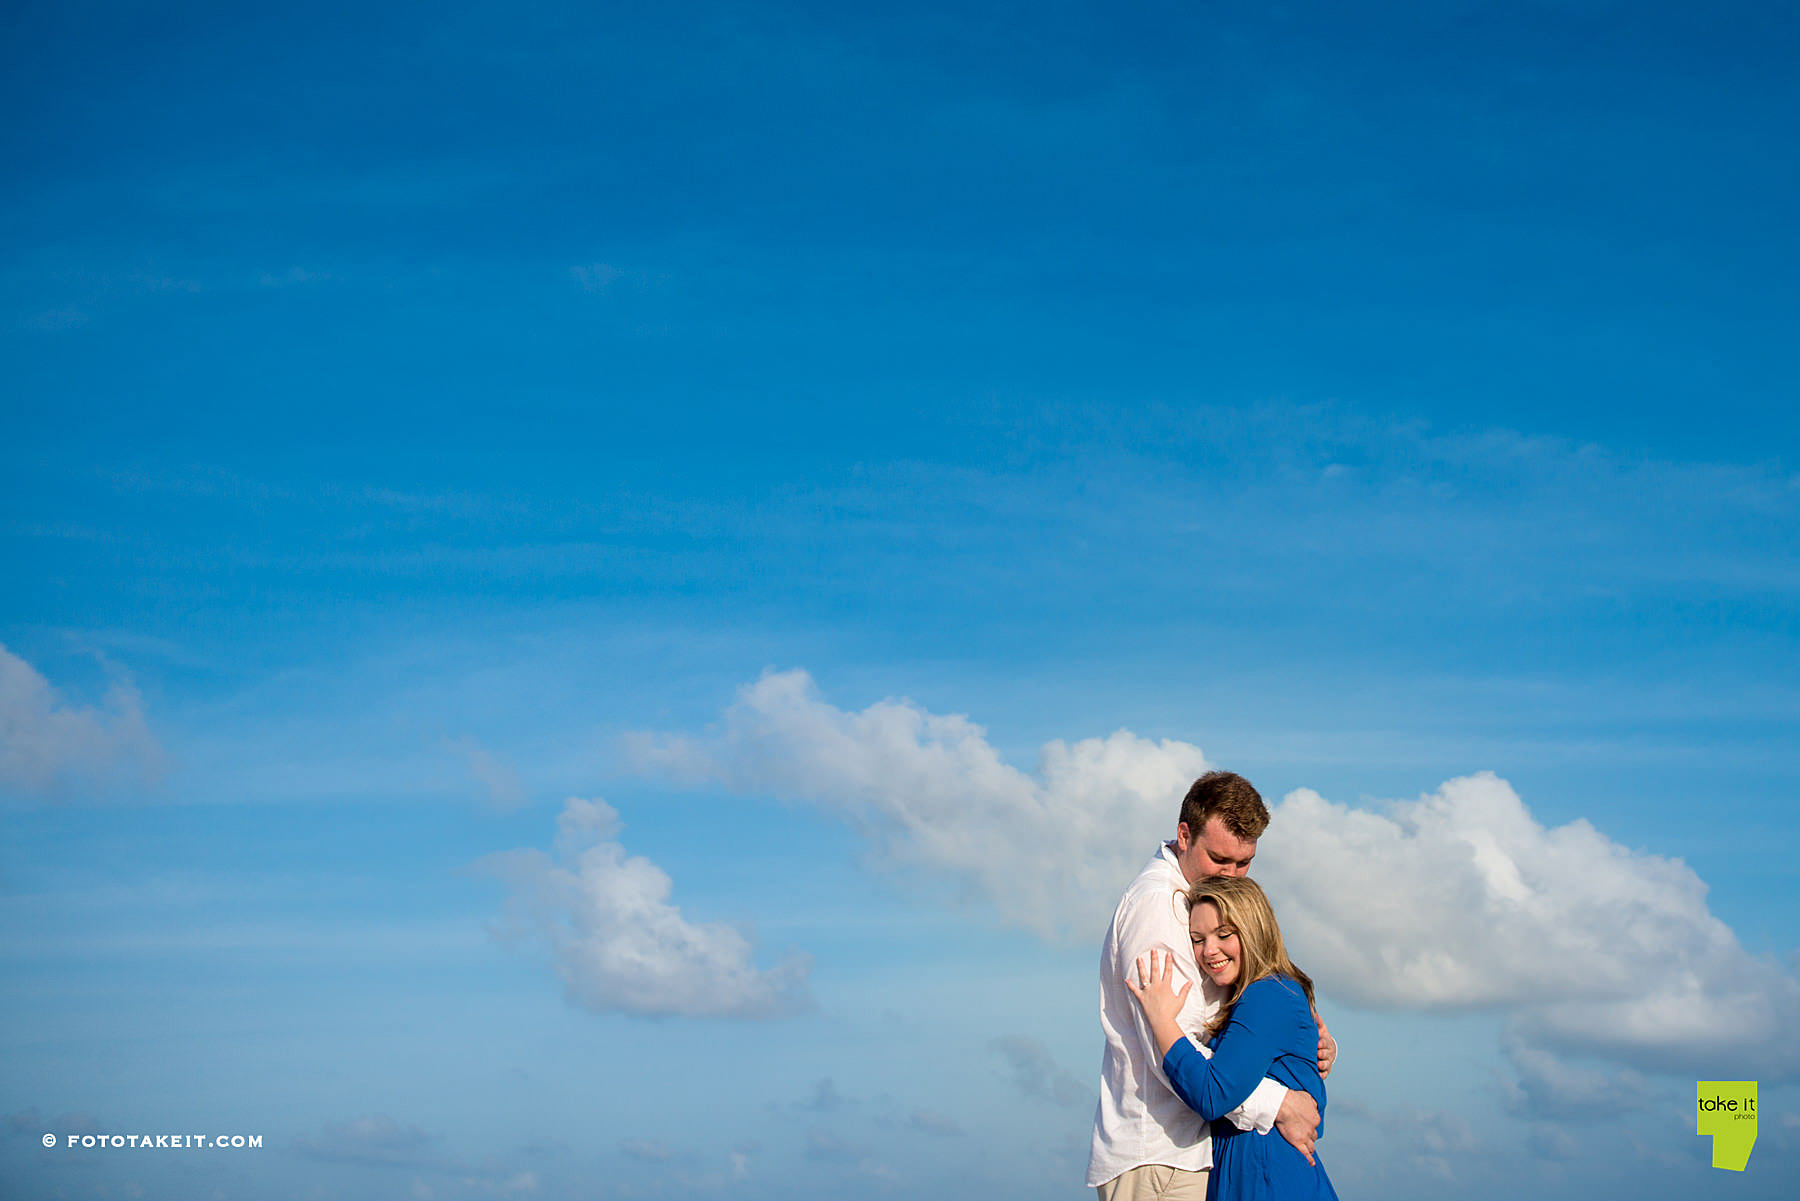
1271,1033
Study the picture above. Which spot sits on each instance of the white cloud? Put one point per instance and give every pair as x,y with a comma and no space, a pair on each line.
616,941
1037,1073
1433,1142
825,1147
822,1146
56,320
291,277
379,1140
376,1139
1458,900
519,1184
499,782
1554,1143
30,1124
1461,899
826,1098
1050,852
1548,1085
48,745
929,1121
595,277
608,277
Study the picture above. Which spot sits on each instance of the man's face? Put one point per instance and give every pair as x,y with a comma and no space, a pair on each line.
1216,852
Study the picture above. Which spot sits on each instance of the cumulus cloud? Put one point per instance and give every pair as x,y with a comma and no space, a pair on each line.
929,1121
291,277
929,790
30,1124
1547,1085
519,1184
500,784
618,943
595,277
1431,1140
48,745
1037,1073
55,321
1555,1143
1460,899
376,1139
824,1147
826,1098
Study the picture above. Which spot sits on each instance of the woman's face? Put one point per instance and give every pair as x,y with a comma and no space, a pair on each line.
1216,947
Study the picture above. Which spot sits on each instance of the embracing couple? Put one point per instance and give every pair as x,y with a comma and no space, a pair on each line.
1207,1021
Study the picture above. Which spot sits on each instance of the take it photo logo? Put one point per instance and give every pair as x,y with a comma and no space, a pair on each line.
1726,1110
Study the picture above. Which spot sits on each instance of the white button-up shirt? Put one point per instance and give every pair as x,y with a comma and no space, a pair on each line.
1140,1120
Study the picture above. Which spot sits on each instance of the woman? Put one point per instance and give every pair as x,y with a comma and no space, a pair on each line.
1265,1027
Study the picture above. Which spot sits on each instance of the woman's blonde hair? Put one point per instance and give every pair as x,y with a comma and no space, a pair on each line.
1243,907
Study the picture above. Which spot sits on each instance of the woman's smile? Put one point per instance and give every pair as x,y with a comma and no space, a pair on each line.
1216,947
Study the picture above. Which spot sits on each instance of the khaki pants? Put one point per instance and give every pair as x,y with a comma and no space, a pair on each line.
1154,1182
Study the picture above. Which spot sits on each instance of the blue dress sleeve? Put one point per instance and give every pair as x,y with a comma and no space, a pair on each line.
1242,1054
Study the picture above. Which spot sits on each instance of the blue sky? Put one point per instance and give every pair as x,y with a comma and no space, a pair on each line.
423,415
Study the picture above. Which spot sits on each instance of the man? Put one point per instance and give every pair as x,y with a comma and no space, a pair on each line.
1148,1145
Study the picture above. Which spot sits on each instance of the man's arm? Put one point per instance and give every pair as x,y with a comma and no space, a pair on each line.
1151,926
1189,1067
1212,1085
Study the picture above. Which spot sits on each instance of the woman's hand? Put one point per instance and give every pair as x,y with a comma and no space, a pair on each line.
1156,992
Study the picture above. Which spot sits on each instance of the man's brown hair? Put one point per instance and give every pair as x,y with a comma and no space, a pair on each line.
1228,797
